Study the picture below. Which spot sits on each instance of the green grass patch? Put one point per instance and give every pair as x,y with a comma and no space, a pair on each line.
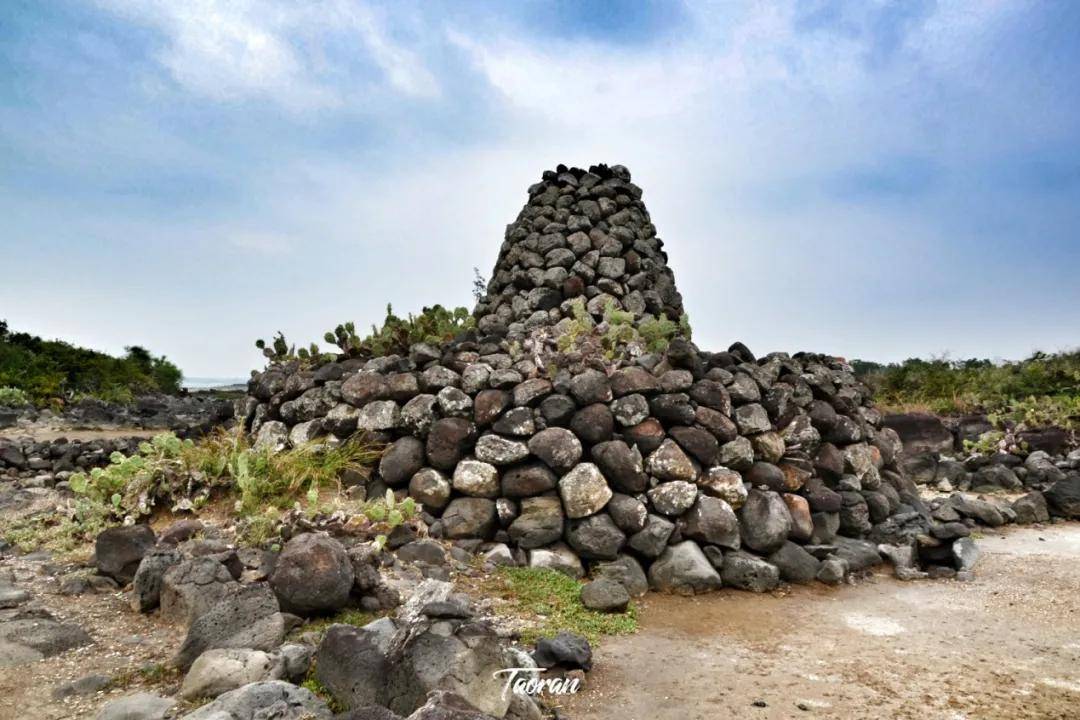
553,601
352,616
312,684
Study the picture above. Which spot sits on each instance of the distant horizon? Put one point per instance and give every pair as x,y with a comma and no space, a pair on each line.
868,180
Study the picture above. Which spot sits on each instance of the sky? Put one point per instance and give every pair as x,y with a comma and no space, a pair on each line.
871,179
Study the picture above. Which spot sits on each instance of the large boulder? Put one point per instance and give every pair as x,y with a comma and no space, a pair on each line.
119,550
401,461
795,564
313,574
447,441
137,706
1031,508
266,700
683,568
465,664
747,572
248,617
920,432
764,521
351,664
711,520
1063,497
192,587
621,465
626,571
224,669
595,537
146,585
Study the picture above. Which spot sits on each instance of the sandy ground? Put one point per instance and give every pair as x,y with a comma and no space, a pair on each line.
1006,645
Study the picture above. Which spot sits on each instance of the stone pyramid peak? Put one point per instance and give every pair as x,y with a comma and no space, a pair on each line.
584,236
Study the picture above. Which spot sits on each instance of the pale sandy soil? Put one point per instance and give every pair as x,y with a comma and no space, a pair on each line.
1006,645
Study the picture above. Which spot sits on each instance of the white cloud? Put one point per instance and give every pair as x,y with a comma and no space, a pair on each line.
237,50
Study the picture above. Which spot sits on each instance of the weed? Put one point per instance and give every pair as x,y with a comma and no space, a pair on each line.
552,600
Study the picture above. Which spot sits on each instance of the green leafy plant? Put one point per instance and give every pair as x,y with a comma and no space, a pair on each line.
435,325
183,474
13,397
387,513
619,336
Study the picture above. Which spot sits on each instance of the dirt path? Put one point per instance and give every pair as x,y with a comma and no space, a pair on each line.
1004,646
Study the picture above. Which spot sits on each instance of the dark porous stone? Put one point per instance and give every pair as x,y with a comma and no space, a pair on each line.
590,387
467,517
401,461
313,573
558,410
448,441
767,475
566,650
621,465
699,443
747,572
489,405
646,435
629,513
605,595
633,379
119,550
672,408
796,565
593,424
595,537
764,521
529,479
1063,497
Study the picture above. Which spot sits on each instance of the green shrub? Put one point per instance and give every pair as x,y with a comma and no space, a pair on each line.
619,336
13,397
51,369
1039,391
435,325
183,474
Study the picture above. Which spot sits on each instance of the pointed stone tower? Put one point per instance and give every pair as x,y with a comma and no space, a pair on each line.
582,234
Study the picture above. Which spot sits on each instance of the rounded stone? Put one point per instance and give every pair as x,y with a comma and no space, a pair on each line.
312,574
476,478
584,491
430,488
559,448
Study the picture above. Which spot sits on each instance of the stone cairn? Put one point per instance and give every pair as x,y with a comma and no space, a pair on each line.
552,432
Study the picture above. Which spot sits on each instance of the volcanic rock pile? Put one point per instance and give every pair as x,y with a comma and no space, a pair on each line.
582,234
705,468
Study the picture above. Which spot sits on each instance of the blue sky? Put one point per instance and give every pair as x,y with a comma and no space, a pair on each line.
871,179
